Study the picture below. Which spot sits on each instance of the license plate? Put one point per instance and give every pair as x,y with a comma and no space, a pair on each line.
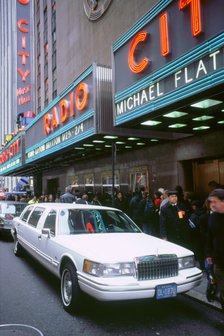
166,291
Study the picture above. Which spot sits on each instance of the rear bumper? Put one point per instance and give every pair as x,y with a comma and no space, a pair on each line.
6,231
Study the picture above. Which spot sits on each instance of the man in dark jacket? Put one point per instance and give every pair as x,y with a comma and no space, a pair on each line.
215,239
174,221
68,196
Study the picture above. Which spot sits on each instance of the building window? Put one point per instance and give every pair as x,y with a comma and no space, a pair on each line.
38,10
54,84
45,3
39,100
46,92
46,52
45,26
53,16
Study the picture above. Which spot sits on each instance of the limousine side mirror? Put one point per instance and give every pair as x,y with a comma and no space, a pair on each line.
46,232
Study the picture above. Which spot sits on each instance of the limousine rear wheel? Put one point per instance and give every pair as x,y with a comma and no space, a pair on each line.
70,290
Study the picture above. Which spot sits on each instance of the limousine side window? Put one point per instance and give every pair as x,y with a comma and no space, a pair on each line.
50,221
35,216
26,213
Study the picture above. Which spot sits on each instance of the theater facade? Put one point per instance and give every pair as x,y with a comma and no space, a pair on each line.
153,116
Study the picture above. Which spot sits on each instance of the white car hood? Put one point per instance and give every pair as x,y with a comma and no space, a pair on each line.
114,247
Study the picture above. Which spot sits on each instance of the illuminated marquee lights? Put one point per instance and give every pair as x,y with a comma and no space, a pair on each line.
10,152
59,114
164,35
195,14
24,54
81,96
141,37
136,68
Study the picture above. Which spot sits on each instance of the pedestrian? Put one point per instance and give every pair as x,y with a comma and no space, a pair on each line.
83,199
157,199
50,198
165,198
151,222
195,234
68,196
174,224
136,208
95,200
215,240
33,200
120,202
203,226
180,193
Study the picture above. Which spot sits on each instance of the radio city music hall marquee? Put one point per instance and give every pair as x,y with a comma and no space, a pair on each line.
69,118
159,58
11,151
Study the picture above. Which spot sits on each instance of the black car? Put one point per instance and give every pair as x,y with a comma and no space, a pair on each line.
9,210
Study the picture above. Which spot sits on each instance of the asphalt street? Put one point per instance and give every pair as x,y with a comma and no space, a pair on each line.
29,295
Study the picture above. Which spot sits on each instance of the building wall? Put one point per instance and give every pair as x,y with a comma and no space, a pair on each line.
8,70
81,41
167,165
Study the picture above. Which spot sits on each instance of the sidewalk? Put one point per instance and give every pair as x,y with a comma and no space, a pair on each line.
199,293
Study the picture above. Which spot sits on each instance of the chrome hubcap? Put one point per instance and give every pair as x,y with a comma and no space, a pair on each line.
67,287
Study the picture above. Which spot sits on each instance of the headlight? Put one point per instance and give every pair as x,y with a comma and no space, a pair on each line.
108,270
186,262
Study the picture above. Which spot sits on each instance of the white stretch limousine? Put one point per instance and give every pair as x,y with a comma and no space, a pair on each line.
100,251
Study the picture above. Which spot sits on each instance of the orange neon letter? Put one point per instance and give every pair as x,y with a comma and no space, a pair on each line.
195,14
54,121
81,96
21,28
71,97
47,124
23,74
24,2
137,67
24,41
164,35
63,110
24,55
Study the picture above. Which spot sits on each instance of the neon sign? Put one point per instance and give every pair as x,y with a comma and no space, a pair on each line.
10,152
24,101
195,14
67,107
142,36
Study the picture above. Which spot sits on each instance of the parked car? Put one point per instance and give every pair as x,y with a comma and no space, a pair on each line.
102,252
9,210
2,195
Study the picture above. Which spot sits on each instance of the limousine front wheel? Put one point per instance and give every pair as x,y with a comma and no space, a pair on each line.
70,290
18,250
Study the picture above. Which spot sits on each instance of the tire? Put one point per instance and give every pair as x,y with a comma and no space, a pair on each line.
18,250
71,294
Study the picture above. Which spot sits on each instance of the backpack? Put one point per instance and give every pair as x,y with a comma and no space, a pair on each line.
149,210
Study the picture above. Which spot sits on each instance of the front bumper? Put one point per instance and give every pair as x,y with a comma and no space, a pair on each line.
129,288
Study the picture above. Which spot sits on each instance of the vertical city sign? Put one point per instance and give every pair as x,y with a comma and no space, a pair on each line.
24,56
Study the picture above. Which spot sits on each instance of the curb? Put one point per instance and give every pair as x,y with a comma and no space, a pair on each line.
199,293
